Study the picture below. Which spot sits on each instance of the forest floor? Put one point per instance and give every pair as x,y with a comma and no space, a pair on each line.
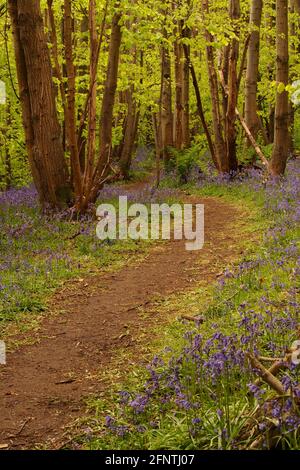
68,359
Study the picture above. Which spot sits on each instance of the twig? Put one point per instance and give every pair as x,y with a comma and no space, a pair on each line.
252,140
269,359
136,307
74,236
197,319
12,436
64,382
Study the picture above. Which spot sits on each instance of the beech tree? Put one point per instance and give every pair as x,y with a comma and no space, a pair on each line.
98,78
41,125
166,113
251,116
281,134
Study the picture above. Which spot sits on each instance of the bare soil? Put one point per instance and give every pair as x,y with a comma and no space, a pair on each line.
45,385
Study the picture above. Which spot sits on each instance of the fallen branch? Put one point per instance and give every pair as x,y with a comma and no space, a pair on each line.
266,375
77,234
136,307
65,382
252,140
196,319
12,436
275,368
269,359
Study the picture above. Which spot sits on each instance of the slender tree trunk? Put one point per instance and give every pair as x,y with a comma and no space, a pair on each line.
271,67
281,134
251,117
106,119
234,13
295,51
42,129
224,69
186,33
220,148
92,114
89,108
110,89
130,130
54,50
178,112
200,107
7,154
166,116
83,71
71,93
157,148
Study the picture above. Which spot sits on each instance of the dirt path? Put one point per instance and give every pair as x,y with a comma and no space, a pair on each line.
44,385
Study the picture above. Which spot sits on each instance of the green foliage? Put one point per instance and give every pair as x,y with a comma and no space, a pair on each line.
183,162
143,24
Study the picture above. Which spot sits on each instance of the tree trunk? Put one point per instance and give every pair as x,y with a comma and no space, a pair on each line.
130,130
178,112
166,116
83,71
186,33
7,154
295,51
281,134
200,106
106,119
271,67
42,129
71,93
234,13
182,91
110,89
220,149
251,116
92,114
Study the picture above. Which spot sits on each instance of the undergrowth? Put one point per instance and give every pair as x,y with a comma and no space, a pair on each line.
201,391
39,252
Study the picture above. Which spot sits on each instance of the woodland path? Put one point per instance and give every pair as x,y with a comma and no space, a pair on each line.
44,386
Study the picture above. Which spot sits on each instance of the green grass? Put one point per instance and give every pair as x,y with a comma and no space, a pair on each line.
37,255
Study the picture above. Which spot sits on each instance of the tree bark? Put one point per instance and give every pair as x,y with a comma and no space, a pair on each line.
295,51
186,33
251,117
281,134
234,13
271,74
106,119
166,116
92,115
71,108
178,111
130,131
42,129
110,89
182,91
220,148
200,107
